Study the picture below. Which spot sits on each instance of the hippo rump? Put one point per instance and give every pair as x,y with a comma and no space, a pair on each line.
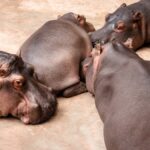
129,25
119,80
56,50
21,95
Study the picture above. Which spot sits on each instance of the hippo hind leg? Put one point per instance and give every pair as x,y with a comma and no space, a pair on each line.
75,89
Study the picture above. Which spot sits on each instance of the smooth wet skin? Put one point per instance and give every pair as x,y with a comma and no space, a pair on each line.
119,80
56,51
127,24
21,95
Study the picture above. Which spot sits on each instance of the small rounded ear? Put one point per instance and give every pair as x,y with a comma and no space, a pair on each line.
81,19
137,15
3,72
123,5
120,26
107,17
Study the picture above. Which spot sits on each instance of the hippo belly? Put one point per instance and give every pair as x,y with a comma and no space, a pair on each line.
58,74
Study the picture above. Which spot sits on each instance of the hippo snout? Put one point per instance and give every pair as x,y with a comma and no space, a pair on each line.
34,111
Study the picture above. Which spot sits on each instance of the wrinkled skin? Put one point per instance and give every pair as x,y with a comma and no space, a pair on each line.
129,25
21,95
56,51
120,81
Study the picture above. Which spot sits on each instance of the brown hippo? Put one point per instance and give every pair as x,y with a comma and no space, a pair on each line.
21,95
120,81
56,50
128,24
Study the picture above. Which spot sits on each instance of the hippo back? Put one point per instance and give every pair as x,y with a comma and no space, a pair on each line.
55,51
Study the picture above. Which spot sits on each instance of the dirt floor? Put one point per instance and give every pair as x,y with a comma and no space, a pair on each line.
77,125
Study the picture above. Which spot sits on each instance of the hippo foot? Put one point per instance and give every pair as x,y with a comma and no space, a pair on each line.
75,90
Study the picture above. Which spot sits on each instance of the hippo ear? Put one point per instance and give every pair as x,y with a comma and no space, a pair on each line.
123,5
3,72
81,19
107,17
137,15
139,18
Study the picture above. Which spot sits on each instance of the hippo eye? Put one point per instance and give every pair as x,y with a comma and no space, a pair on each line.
18,83
3,72
120,26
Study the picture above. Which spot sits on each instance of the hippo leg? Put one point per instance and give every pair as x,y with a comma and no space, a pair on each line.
75,90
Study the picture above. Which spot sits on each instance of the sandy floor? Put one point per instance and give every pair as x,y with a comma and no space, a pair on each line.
77,125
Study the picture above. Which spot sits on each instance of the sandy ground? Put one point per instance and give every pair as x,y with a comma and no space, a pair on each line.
77,125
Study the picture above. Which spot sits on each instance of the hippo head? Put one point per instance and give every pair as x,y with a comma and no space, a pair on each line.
105,60
79,20
125,25
21,95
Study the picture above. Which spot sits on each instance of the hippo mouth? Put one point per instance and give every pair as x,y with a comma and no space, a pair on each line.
24,110
101,42
129,42
30,111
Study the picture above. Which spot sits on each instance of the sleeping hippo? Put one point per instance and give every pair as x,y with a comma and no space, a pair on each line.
21,95
56,51
129,25
119,80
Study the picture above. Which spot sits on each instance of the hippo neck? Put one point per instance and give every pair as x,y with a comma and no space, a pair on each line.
115,58
112,66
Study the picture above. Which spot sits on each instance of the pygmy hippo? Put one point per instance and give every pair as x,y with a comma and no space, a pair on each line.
120,81
21,95
129,25
56,50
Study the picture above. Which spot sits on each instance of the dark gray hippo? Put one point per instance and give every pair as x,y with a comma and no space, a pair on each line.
56,51
129,25
119,80
21,95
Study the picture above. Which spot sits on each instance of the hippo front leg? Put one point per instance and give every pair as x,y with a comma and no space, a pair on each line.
75,90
